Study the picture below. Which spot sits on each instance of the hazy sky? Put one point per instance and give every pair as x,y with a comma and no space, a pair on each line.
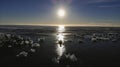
78,12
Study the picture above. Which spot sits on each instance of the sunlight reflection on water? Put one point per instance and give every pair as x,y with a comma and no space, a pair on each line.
61,29
60,36
60,39
60,50
63,58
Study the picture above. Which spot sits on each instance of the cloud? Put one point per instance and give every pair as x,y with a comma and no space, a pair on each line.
89,2
109,6
105,3
100,1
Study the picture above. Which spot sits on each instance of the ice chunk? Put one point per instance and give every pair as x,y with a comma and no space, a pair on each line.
35,45
93,39
32,50
26,42
9,46
22,54
73,57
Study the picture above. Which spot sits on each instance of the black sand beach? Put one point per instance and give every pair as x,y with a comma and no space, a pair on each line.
52,46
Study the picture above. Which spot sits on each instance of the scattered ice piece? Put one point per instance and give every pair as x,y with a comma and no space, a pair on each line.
56,60
22,54
22,42
73,57
31,41
35,45
8,35
33,50
27,42
94,39
19,37
9,46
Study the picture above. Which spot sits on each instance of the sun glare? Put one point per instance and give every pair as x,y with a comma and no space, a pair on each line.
61,12
61,28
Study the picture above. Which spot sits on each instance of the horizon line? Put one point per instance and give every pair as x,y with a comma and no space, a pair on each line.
59,25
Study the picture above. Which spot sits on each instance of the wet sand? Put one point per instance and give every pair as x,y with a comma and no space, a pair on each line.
77,50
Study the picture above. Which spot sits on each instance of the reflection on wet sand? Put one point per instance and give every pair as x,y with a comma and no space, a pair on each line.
60,40
60,35
63,58
60,50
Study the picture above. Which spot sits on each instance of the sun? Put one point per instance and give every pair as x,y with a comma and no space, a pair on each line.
61,12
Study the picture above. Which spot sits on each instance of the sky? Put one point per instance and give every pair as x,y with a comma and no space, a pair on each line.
44,12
